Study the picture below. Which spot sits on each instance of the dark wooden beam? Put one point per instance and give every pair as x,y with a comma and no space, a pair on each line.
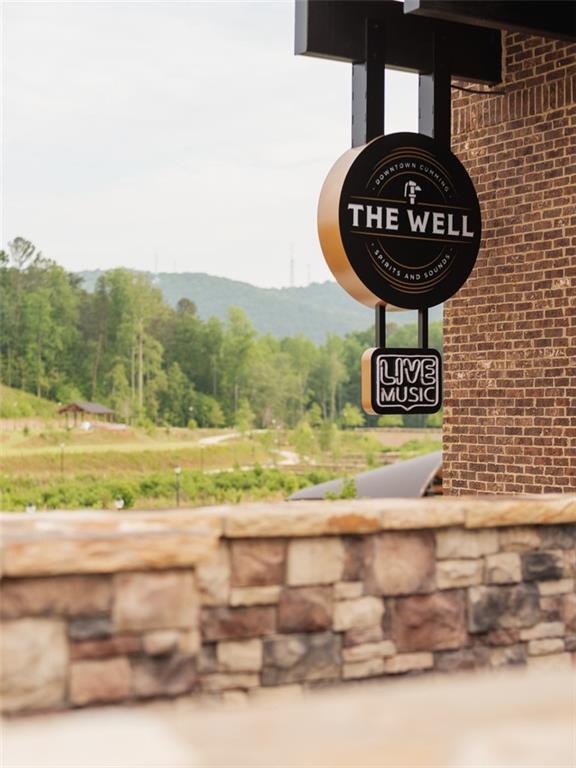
335,29
552,18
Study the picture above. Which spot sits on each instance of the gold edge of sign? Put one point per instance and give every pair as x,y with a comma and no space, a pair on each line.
366,381
329,231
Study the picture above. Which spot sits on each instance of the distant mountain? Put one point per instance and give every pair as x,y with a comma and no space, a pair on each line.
315,311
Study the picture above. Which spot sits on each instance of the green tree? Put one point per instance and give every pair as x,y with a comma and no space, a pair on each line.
176,398
244,416
351,416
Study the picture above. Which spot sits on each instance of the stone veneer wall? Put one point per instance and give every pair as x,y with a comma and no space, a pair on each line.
117,607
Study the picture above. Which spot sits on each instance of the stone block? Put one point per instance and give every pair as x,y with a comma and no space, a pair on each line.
519,539
463,660
368,651
429,622
163,676
245,596
100,682
548,645
542,566
236,681
569,611
551,662
305,609
363,636
551,605
543,630
190,642
161,642
400,563
258,563
509,656
503,568
315,561
240,655
213,577
354,558
461,544
360,613
570,563
502,637
451,574
502,607
558,536
347,590
237,623
408,662
120,645
163,600
207,661
570,643
560,587
361,669
90,627
33,669
55,596
301,658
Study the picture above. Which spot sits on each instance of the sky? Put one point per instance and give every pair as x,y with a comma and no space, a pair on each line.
173,136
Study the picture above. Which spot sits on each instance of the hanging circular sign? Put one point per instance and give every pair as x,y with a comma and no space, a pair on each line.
399,222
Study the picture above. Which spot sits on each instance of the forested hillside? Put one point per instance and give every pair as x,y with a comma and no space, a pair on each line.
122,345
315,311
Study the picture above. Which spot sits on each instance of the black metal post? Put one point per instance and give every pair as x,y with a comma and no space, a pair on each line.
434,120
368,88
368,99
380,323
423,328
434,95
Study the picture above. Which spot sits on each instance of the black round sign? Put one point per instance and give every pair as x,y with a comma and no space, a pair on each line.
409,221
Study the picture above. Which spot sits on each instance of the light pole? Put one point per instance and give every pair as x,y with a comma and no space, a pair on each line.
178,472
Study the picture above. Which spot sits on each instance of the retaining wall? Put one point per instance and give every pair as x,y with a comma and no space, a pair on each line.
223,602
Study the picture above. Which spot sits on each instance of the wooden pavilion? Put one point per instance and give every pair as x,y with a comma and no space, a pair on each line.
85,409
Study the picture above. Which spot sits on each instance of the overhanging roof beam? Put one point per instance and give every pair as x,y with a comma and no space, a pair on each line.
335,29
552,18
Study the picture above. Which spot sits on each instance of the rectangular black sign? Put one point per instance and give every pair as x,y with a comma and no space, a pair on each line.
401,381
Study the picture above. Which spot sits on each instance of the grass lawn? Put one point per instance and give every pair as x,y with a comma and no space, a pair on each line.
50,466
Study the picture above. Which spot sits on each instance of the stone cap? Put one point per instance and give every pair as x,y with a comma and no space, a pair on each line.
105,542
59,542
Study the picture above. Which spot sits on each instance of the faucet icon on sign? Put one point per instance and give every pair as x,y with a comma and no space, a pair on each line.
410,189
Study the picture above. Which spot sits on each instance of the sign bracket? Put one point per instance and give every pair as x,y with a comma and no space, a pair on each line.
380,322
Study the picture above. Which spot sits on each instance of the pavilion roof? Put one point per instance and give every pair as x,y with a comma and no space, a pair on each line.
86,407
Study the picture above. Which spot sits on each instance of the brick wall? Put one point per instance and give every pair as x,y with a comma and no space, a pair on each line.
510,333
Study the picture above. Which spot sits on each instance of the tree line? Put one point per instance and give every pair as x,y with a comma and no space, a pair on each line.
123,346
